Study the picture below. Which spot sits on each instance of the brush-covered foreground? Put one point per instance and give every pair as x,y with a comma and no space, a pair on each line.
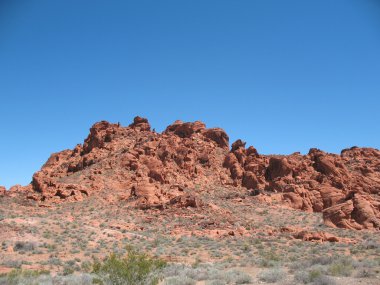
249,242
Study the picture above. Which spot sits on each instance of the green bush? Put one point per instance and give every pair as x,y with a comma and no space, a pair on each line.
341,267
132,269
310,275
179,281
22,276
272,275
237,277
324,280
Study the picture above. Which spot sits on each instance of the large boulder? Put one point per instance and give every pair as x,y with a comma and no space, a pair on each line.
331,196
185,130
278,167
340,216
250,180
147,195
140,124
365,213
100,134
356,213
186,200
217,135
325,165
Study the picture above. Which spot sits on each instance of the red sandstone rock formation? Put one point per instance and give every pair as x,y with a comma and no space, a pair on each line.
315,236
135,162
2,190
344,187
151,170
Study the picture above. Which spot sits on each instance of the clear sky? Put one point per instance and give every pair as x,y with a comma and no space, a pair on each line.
282,75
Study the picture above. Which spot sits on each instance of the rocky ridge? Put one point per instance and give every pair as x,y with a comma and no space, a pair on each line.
151,170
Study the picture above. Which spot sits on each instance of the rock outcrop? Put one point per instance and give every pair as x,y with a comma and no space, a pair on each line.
135,162
344,187
151,170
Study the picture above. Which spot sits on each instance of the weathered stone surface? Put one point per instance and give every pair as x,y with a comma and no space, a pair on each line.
185,130
140,124
316,236
186,200
217,135
134,163
346,187
250,180
278,167
2,190
142,166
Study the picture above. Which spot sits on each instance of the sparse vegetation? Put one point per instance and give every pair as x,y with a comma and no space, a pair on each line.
341,267
23,246
21,276
68,248
272,275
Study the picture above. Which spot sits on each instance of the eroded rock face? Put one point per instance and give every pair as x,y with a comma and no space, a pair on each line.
356,213
316,236
2,190
344,187
140,124
100,134
185,130
135,163
278,167
186,200
152,170
217,135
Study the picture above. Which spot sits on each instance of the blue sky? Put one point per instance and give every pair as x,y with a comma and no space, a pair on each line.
284,76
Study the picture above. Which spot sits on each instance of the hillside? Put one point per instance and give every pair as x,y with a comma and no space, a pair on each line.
150,169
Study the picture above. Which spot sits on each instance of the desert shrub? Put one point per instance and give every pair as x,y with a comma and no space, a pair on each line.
173,269
216,282
237,277
74,279
176,280
268,259
267,263
302,277
322,260
320,266
370,244
132,269
67,270
314,274
24,246
27,277
341,267
12,263
310,275
367,263
70,267
54,261
365,273
205,272
271,275
314,262
324,280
